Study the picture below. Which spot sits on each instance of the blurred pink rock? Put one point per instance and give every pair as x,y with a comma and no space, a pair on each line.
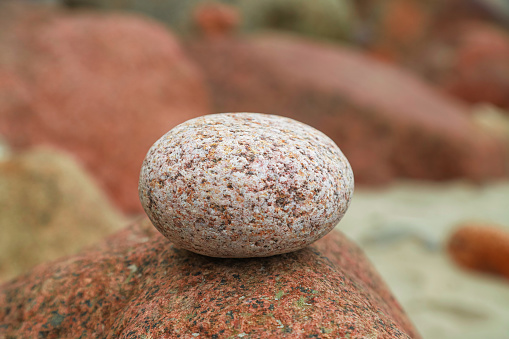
396,26
471,62
388,123
103,87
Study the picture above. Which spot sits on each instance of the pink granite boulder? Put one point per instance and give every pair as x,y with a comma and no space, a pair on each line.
387,122
136,284
102,87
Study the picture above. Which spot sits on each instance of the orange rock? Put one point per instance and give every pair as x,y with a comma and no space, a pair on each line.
405,22
103,87
479,247
216,19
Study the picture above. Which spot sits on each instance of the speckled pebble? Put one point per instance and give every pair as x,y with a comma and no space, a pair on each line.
245,185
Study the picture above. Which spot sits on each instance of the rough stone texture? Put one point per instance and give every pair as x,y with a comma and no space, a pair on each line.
471,62
481,247
239,185
137,284
49,207
388,123
101,87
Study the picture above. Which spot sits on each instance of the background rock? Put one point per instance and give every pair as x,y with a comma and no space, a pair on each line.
319,18
387,122
469,61
215,19
391,29
49,207
101,87
137,284
481,247
395,30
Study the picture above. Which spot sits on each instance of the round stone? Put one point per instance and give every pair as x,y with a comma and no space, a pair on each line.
238,185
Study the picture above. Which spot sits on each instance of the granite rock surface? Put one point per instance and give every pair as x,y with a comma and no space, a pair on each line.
136,284
238,185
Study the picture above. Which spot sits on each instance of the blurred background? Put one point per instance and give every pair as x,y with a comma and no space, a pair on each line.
414,92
